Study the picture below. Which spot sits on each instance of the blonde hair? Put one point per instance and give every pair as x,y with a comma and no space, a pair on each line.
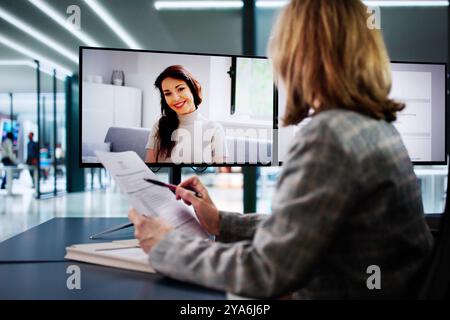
328,58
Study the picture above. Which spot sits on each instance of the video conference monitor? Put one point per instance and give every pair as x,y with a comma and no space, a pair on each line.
176,108
422,87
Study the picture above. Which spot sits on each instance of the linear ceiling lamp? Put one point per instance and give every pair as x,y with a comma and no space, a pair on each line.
270,4
46,63
61,20
197,5
112,23
32,64
371,3
38,35
400,3
25,98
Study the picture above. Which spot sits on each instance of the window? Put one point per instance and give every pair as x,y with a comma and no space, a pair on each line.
254,89
432,180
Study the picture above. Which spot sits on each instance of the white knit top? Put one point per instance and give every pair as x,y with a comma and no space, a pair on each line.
198,140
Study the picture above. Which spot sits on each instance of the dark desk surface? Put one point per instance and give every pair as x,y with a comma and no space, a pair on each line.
48,241
32,266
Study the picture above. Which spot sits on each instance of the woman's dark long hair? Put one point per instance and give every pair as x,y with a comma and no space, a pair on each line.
169,121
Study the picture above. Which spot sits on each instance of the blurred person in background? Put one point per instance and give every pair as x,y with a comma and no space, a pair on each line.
7,155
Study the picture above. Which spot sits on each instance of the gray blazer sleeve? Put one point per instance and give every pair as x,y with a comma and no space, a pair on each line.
237,227
286,247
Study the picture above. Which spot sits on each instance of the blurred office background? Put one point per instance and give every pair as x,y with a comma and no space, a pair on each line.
44,100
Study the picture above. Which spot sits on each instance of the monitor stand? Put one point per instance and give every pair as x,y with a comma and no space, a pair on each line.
175,175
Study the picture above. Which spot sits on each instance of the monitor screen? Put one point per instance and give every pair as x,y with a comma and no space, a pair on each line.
205,109
422,87
6,127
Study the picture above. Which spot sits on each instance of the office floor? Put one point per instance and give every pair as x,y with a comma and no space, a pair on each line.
22,211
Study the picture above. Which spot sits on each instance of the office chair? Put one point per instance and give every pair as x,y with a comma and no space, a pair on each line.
128,139
437,279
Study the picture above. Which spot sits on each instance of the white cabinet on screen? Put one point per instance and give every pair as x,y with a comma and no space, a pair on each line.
105,105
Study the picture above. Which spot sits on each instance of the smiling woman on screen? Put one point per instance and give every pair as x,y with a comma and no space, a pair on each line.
182,134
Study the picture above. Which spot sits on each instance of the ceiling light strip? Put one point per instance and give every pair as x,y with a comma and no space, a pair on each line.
28,63
112,23
195,5
400,3
38,35
370,3
61,20
33,55
32,64
267,4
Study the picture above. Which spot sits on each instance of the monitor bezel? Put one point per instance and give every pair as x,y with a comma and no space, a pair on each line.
170,165
416,163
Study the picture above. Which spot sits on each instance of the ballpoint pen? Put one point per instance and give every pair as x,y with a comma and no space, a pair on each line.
120,227
172,187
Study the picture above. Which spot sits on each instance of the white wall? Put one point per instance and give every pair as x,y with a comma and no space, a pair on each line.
220,88
103,62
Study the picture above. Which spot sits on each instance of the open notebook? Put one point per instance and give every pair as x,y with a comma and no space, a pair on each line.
123,254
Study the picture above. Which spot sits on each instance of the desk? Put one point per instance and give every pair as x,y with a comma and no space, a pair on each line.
32,266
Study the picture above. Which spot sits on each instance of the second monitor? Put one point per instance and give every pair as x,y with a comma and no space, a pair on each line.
421,124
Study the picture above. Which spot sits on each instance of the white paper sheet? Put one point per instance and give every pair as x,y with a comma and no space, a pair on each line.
129,172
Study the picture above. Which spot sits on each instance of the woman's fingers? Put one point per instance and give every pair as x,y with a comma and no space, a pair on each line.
133,215
187,196
139,221
192,183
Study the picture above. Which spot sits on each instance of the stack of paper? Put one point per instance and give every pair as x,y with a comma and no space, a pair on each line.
125,254
129,172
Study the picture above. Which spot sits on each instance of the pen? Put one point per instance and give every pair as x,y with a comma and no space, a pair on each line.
120,248
122,226
172,187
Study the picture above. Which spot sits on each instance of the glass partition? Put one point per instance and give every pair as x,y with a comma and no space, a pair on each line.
38,131
224,184
17,102
432,180
52,128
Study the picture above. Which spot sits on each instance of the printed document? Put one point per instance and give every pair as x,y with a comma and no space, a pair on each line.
129,172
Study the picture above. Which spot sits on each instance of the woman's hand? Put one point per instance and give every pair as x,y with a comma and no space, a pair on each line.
206,211
149,231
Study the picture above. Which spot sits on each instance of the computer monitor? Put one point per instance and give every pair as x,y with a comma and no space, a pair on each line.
422,87
5,125
122,110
